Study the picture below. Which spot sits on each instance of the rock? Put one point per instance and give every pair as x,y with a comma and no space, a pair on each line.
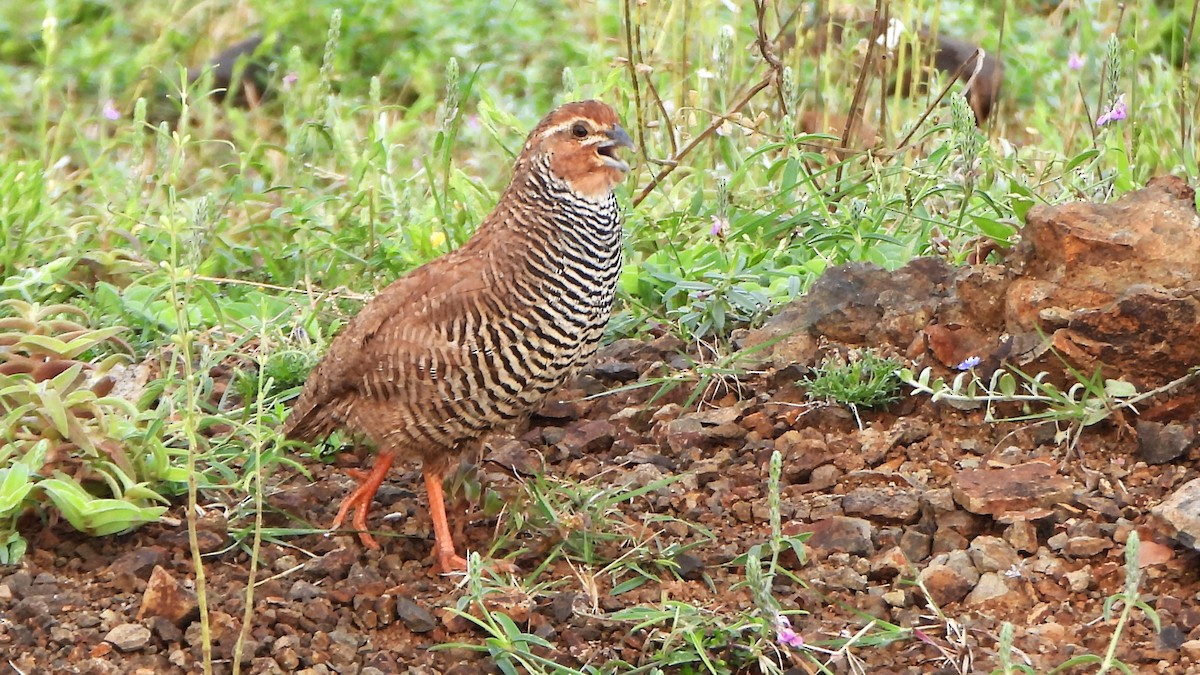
1113,284
1022,535
415,617
1079,580
945,585
334,565
916,545
1181,511
689,567
839,533
890,563
168,598
890,503
1022,488
1191,649
303,591
1086,547
588,436
128,637
990,587
1162,443
857,304
992,554
139,562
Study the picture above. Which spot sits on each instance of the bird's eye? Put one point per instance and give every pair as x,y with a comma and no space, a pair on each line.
579,131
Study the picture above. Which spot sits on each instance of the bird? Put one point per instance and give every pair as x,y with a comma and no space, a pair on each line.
476,340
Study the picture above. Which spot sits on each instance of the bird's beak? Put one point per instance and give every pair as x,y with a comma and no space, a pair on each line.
618,138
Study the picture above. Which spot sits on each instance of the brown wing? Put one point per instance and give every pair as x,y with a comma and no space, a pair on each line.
392,338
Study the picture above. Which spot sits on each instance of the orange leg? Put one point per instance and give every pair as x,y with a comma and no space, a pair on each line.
443,548
362,496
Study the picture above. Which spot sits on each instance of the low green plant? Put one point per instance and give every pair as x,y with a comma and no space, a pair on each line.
67,442
1089,400
865,380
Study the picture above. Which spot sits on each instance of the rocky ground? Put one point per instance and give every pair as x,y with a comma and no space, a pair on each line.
1000,522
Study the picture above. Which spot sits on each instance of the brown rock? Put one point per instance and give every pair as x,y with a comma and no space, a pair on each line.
945,584
855,303
1114,285
889,503
1086,547
168,598
1181,511
850,535
588,436
128,637
994,492
994,590
1161,443
992,554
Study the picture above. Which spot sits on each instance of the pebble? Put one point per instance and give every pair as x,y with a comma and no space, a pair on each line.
1079,580
841,533
992,554
128,637
945,584
415,617
1181,510
888,503
1029,486
166,597
1161,443
990,587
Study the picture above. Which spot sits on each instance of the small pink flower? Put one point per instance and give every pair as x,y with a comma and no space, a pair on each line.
719,227
1118,112
289,81
1075,61
110,111
785,635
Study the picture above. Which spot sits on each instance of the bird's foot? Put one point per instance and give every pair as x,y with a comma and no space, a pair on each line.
449,562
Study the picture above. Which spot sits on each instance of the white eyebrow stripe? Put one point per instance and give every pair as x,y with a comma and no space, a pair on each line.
570,123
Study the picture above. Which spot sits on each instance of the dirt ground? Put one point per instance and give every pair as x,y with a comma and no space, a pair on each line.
930,525
880,499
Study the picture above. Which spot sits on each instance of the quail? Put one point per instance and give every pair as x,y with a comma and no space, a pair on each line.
477,339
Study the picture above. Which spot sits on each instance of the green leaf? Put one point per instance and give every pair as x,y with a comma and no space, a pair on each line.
15,485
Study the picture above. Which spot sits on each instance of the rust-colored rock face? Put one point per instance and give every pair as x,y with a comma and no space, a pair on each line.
1112,286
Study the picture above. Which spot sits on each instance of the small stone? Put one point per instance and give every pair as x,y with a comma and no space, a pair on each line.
689,567
1191,649
1161,443
890,503
995,492
303,591
916,545
284,563
415,617
139,562
1022,535
166,597
840,533
1079,580
896,598
588,436
1058,542
992,554
945,585
1181,510
1086,547
128,637
890,563
990,587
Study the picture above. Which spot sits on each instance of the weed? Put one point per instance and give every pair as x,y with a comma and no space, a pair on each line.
865,380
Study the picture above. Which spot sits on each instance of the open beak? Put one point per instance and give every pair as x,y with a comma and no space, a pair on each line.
617,138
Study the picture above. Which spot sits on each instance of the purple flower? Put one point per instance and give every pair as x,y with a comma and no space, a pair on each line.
969,363
1075,61
1118,112
719,227
110,111
785,635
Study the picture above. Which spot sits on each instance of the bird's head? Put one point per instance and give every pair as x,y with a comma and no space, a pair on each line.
581,141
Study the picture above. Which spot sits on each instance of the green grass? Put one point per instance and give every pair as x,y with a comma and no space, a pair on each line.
243,239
